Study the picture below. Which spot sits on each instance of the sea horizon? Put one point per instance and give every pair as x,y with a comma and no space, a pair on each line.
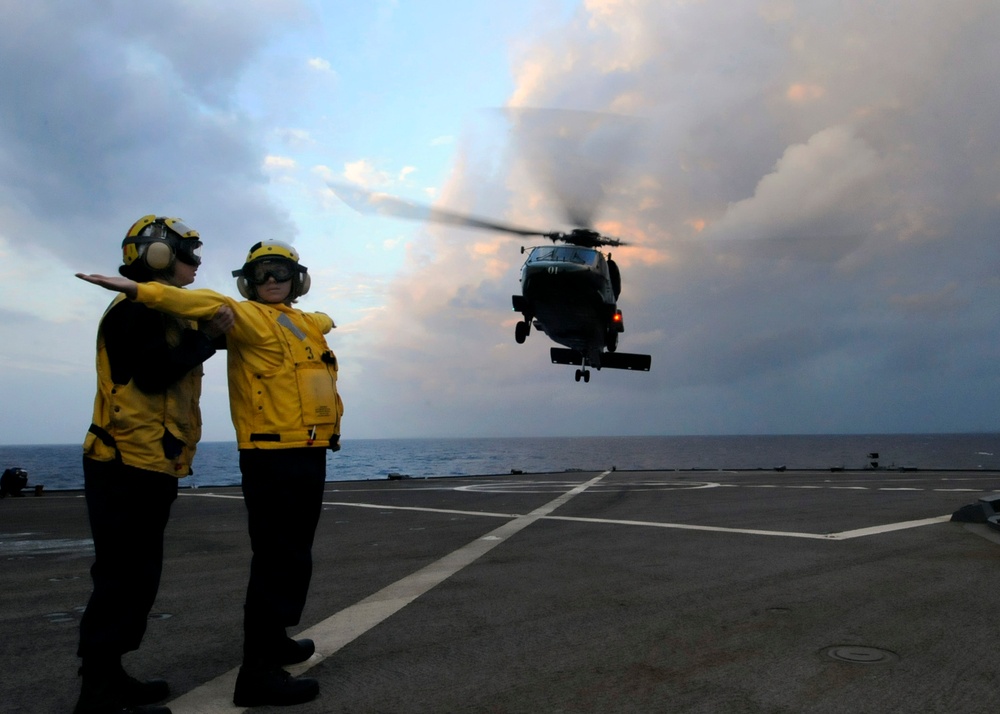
59,466
596,436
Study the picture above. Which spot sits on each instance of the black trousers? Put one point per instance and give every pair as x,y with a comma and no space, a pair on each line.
128,510
283,494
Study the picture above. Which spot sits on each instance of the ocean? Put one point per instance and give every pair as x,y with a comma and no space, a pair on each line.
58,467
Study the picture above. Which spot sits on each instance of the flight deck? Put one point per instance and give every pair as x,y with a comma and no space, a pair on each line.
652,591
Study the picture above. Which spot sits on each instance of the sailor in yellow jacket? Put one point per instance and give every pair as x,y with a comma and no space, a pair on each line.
142,439
282,374
286,410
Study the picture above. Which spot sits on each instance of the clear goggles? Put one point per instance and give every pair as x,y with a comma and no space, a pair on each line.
259,271
189,251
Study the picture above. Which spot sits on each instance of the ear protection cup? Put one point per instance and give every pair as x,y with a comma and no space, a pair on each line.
154,241
304,282
159,255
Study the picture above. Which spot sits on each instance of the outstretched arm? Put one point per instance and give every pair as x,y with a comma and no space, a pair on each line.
216,312
118,284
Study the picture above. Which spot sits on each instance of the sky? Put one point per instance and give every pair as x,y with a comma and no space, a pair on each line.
810,192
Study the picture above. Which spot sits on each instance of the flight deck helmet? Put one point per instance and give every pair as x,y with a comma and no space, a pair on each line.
272,259
154,243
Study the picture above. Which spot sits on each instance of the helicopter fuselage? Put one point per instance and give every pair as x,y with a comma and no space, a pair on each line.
568,294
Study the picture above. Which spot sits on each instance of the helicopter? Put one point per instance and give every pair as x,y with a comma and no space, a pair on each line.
569,290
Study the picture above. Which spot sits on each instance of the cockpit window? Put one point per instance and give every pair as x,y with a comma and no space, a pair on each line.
563,254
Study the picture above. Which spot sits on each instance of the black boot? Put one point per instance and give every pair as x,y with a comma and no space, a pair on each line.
136,693
104,691
258,684
294,651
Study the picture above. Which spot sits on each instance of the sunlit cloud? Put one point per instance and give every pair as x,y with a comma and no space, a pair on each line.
804,92
279,163
364,173
807,190
319,64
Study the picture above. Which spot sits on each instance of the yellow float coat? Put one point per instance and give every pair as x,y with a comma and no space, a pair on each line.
282,374
133,421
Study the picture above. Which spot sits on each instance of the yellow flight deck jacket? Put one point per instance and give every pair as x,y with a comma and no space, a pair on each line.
282,374
129,424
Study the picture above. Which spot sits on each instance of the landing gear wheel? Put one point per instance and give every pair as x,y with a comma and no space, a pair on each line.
583,374
521,331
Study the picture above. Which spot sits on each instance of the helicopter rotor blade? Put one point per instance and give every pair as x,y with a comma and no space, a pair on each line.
577,155
382,204
586,238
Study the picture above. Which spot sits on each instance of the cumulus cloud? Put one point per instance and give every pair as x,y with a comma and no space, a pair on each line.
812,205
279,163
320,65
364,173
